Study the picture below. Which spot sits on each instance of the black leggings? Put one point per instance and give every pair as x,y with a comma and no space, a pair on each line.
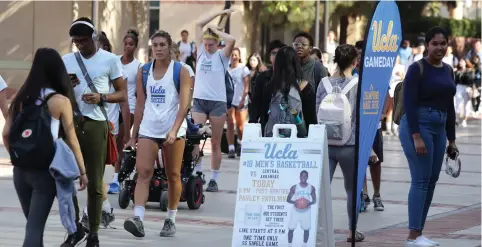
36,192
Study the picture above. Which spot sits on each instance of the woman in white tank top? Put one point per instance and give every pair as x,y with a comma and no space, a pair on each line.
159,122
36,188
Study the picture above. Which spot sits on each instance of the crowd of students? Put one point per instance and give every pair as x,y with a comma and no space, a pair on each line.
144,106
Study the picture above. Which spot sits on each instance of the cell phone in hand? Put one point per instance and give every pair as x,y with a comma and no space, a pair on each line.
73,77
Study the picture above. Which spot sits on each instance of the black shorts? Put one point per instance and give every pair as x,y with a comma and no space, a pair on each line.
378,145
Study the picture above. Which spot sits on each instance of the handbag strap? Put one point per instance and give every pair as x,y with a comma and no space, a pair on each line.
91,85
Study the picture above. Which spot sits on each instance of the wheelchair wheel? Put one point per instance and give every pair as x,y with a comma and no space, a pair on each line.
164,200
194,193
124,198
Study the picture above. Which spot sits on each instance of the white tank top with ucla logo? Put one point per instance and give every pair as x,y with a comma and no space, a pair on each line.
161,107
301,192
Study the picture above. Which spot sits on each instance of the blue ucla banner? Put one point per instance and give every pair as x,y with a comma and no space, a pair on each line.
381,48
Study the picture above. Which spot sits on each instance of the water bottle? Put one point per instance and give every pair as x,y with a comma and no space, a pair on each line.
300,123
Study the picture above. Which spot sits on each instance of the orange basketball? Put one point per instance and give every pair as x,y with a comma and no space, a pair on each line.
302,203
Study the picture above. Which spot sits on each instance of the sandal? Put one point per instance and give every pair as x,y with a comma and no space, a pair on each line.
358,237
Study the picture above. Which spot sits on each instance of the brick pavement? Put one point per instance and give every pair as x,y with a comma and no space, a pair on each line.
437,227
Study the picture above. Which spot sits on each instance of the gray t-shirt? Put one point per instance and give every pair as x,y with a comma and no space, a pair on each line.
351,95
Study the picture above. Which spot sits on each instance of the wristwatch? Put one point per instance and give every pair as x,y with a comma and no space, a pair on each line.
103,98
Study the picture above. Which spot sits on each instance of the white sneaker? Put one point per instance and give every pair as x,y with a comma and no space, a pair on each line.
464,124
419,242
430,241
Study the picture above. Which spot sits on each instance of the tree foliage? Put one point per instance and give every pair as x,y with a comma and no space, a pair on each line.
291,14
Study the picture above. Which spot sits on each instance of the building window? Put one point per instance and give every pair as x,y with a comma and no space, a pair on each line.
153,16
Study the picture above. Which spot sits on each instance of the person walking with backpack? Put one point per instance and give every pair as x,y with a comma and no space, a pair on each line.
214,89
93,71
426,125
336,108
288,99
47,93
130,66
163,95
187,49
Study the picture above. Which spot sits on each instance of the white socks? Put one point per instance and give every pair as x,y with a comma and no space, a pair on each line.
139,212
215,175
115,178
231,147
171,214
106,206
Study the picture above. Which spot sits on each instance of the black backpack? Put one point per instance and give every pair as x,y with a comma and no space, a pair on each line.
31,145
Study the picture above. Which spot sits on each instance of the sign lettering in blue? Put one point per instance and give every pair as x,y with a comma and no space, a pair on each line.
381,49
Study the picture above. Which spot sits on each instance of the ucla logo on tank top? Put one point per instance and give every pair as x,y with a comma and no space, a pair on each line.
158,95
206,64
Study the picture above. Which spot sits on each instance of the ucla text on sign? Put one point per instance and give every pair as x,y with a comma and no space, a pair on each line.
382,43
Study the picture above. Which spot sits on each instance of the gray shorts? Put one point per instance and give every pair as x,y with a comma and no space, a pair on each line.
209,107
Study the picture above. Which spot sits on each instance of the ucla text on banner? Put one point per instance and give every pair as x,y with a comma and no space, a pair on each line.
381,48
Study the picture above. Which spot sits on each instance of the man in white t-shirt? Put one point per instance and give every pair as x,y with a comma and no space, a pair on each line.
3,98
103,69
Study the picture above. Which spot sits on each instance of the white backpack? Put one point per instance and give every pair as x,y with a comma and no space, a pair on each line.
335,112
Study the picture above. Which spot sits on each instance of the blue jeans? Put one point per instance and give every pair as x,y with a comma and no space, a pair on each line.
424,170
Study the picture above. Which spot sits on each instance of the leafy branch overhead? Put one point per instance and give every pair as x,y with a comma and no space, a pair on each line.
293,14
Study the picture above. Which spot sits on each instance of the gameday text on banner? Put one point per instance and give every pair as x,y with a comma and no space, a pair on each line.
381,49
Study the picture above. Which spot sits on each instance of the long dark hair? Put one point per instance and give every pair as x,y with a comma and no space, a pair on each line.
48,71
260,67
287,71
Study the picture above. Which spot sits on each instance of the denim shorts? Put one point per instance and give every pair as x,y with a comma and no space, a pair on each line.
210,107
158,141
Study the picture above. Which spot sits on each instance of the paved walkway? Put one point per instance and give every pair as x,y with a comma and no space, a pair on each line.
454,218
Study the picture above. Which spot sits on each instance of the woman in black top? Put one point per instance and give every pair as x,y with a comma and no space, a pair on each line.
287,74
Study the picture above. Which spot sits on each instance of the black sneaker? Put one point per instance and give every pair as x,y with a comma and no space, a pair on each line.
75,238
377,203
366,198
212,186
92,240
134,225
85,222
238,150
107,218
169,229
231,154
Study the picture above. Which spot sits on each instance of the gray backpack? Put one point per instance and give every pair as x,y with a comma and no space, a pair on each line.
283,111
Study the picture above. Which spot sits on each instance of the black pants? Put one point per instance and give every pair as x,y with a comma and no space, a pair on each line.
36,192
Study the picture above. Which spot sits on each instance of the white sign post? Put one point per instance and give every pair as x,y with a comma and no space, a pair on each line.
284,194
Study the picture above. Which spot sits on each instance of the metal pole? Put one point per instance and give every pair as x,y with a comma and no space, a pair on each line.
317,24
326,24
95,12
227,28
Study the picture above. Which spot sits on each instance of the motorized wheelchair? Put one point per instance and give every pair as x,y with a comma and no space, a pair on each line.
192,184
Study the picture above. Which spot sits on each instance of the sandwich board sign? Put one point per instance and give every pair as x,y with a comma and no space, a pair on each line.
283,194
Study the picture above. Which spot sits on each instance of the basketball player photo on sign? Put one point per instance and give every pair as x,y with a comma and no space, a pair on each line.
302,196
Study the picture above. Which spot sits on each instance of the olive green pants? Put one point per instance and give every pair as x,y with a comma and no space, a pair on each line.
92,137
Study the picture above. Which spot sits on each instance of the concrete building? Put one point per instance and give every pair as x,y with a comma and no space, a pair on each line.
29,25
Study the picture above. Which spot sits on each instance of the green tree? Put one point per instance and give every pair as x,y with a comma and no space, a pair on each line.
290,14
